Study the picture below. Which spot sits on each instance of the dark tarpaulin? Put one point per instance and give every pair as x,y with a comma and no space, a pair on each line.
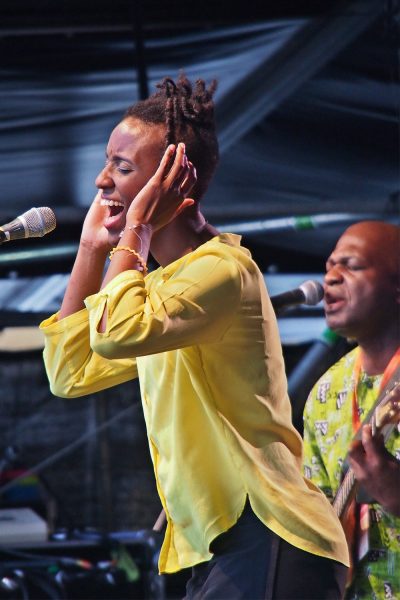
330,145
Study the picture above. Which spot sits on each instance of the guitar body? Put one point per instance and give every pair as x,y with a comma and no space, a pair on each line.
383,418
349,521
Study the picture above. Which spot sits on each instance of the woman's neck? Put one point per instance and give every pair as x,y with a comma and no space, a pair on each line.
185,233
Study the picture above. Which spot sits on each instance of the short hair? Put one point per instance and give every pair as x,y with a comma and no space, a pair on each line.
188,114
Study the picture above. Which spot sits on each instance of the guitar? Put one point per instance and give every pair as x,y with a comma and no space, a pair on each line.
383,418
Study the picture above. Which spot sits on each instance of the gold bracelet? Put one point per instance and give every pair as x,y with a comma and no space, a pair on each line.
142,263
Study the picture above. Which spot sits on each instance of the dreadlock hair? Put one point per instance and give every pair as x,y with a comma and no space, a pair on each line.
188,114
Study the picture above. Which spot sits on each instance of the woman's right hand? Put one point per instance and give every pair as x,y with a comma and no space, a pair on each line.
87,272
94,235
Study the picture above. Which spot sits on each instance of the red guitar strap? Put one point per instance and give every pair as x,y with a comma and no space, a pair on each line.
389,375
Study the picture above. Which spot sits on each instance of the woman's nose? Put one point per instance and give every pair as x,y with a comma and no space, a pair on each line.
103,179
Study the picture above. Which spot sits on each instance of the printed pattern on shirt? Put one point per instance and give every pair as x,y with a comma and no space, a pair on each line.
327,434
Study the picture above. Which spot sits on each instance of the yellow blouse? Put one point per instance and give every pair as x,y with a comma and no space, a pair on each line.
202,336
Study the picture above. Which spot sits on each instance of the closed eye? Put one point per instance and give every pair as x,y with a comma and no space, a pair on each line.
355,265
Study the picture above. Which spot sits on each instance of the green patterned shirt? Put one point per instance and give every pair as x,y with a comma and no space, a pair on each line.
328,431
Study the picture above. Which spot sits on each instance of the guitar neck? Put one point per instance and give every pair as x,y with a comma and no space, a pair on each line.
345,493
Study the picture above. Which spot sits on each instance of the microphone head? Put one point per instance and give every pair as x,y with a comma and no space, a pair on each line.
38,221
313,292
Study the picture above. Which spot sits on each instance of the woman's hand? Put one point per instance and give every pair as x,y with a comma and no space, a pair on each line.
88,268
164,195
94,234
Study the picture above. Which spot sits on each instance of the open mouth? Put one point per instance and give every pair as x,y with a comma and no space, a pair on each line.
115,211
114,206
333,304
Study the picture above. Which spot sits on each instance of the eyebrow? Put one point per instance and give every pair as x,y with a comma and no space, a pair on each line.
118,158
344,259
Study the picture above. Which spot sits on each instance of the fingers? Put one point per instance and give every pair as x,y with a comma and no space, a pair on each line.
373,444
166,160
95,207
184,204
366,436
169,163
97,198
358,460
189,181
356,451
367,455
181,174
179,169
183,189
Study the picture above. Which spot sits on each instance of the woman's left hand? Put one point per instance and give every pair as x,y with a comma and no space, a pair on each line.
164,195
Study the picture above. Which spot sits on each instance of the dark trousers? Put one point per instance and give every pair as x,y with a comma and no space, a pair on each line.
251,562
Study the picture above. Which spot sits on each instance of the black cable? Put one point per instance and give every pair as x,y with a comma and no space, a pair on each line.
47,584
42,560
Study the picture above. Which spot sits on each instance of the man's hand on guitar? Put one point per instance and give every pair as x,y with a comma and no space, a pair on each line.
376,470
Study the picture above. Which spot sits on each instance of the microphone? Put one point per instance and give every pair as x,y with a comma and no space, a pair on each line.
35,222
310,292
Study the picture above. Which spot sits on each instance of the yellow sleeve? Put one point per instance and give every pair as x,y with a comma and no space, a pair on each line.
73,369
194,306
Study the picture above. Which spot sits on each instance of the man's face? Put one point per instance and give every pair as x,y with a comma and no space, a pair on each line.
133,154
361,291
